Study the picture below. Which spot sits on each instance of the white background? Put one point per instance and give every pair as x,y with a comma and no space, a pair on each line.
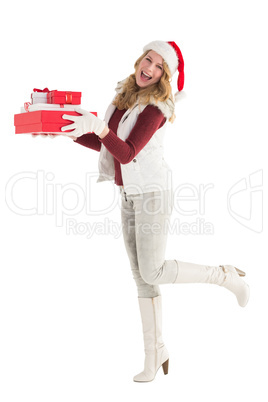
70,325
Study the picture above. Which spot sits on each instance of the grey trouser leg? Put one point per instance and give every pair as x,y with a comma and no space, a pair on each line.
145,219
145,226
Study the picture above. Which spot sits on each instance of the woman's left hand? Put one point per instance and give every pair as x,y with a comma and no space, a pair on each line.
86,123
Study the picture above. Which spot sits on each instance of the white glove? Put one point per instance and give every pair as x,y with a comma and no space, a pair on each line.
86,123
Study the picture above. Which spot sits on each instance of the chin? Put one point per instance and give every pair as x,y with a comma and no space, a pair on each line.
143,84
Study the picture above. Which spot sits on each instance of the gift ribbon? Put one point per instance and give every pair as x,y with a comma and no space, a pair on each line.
26,106
41,90
69,97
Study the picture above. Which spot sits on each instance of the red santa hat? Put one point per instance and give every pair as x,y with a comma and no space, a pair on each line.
172,55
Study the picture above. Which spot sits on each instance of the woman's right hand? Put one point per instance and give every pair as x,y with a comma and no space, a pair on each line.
52,136
44,135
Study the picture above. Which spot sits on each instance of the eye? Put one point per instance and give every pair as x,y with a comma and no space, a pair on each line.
160,67
147,58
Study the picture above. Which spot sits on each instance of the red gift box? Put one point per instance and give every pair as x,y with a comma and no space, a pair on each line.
42,121
64,97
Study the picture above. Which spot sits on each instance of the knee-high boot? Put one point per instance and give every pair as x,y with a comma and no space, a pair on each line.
156,354
226,276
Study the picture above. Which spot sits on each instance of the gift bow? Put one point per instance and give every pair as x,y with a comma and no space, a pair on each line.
41,90
69,95
26,106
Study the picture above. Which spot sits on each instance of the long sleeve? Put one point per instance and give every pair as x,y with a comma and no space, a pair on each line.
90,141
148,122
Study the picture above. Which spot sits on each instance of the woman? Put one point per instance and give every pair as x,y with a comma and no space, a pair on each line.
130,141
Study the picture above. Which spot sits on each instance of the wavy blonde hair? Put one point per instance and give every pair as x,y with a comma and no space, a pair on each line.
131,92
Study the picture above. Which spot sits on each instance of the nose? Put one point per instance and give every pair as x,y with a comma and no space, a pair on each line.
149,68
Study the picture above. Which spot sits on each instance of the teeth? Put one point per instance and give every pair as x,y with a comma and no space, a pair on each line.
146,75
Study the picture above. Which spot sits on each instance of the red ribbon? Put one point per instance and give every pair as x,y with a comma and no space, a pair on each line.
26,106
41,90
69,97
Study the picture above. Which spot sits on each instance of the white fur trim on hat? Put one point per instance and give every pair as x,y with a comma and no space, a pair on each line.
166,51
179,95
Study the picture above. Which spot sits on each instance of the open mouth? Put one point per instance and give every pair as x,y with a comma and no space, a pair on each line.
145,77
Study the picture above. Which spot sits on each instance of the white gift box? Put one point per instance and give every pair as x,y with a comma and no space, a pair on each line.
50,106
39,97
28,107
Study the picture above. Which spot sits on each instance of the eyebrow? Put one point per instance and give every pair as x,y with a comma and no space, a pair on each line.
160,64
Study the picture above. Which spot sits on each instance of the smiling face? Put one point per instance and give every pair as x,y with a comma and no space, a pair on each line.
150,70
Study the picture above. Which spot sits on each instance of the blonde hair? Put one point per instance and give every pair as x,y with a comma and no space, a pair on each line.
131,92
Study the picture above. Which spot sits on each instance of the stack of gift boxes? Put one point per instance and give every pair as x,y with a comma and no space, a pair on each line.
44,114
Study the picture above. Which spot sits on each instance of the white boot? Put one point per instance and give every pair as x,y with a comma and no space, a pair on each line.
223,275
235,284
156,354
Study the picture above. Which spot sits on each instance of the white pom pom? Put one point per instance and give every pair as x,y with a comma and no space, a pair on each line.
179,96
